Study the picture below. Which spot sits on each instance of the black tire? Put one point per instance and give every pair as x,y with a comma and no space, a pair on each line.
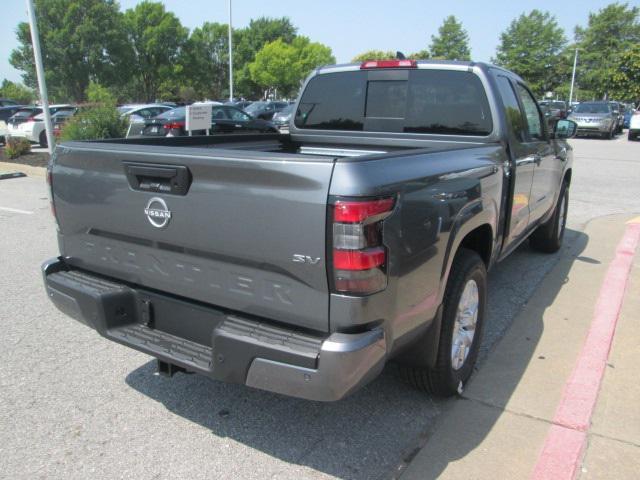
443,379
42,139
548,237
630,137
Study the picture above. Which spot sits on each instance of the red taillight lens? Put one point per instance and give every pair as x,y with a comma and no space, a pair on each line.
355,212
388,64
172,125
359,257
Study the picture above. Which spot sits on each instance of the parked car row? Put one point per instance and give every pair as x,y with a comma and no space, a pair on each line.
224,119
603,118
28,122
154,119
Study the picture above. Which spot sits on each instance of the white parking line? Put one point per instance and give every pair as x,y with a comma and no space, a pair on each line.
16,210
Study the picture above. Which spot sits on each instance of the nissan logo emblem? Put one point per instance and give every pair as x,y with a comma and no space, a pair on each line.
157,212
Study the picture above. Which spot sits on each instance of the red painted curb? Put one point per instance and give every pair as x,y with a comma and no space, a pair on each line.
563,448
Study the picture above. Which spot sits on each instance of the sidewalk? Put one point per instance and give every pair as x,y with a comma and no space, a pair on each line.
499,427
6,167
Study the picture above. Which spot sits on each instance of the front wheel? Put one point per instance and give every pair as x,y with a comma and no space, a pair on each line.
548,237
463,314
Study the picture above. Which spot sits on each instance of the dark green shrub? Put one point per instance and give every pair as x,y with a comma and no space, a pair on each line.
16,147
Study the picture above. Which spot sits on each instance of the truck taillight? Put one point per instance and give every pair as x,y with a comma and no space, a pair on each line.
359,256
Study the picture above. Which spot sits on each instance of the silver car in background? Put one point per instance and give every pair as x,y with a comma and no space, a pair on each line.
595,118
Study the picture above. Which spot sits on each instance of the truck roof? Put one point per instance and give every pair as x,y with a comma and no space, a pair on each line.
423,64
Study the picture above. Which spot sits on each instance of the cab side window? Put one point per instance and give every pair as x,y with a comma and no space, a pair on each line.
512,108
532,114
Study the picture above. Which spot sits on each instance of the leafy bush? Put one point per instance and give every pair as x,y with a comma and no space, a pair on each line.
98,121
16,147
17,92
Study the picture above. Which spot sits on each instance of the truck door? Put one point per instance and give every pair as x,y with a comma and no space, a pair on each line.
522,163
547,166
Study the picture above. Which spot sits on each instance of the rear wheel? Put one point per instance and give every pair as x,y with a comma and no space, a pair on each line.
463,315
548,237
42,139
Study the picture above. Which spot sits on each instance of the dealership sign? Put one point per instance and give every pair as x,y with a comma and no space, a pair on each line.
198,117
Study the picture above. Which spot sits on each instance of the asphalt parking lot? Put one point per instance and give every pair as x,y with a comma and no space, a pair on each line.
73,405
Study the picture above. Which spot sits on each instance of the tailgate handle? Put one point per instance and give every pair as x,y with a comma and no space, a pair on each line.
169,179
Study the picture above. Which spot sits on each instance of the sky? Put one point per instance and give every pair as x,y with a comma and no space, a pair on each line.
350,27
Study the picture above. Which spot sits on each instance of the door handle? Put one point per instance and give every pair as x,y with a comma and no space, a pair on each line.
170,179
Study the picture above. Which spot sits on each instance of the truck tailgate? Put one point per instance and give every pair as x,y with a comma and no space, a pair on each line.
229,241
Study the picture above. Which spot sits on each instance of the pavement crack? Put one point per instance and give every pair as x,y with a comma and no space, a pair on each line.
614,439
512,412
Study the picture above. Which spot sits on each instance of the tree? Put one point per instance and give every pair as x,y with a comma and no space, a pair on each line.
206,60
532,48
374,55
310,55
420,55
625,81
247,42
17,92
613,29
157,38
388,55
283,66
452,41
82,40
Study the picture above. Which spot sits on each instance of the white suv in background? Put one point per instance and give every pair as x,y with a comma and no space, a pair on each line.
32,128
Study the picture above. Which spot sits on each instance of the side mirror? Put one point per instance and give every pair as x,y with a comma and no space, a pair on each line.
565,129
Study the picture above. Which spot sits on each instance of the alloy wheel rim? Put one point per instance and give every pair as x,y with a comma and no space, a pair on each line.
464,327
561,216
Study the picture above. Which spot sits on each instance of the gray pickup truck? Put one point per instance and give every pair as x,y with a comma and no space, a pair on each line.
302,263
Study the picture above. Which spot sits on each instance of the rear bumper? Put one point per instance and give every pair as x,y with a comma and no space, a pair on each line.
218,343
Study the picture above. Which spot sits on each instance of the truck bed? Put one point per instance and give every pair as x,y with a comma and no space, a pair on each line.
318,146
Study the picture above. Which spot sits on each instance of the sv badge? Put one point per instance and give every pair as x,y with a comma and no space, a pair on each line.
299,258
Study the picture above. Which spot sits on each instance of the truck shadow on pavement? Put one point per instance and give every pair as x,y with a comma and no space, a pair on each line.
375,431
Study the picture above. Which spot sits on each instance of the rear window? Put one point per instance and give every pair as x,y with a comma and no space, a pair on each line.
414,101
27,112
592,108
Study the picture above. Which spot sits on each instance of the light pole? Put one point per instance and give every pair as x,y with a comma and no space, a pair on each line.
230,56
573,75
37,54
